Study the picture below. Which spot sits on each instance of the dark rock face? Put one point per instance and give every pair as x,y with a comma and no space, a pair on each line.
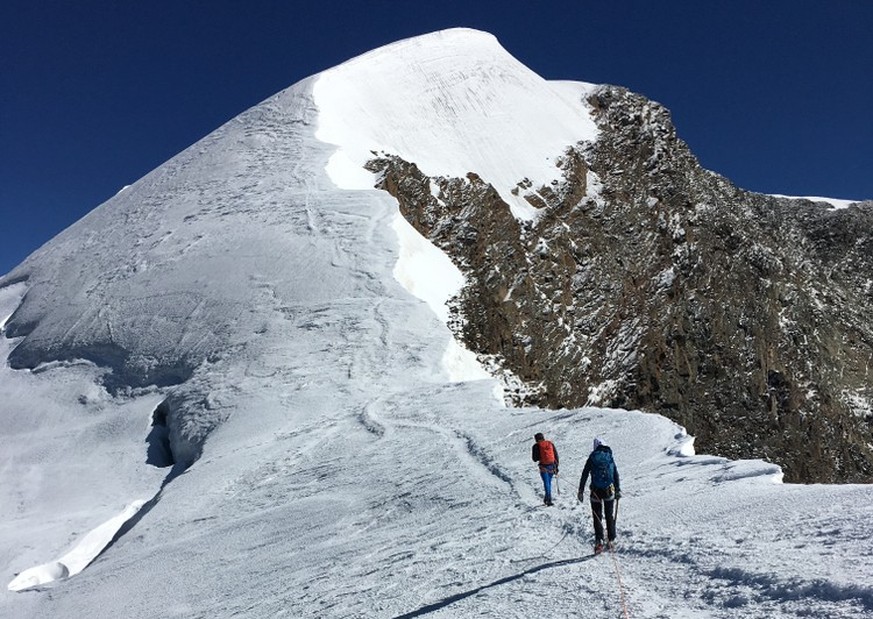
648,282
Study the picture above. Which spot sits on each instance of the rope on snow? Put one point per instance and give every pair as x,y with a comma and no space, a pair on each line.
621,596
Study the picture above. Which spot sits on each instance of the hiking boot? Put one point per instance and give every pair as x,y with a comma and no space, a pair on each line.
610,545
598,547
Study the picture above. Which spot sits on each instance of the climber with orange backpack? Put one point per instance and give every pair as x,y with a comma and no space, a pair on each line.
546,454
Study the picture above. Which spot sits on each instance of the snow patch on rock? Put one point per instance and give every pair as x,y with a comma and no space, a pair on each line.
835,203
429,274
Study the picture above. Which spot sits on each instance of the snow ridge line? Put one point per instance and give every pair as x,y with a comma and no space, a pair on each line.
479,454
463,442
467,444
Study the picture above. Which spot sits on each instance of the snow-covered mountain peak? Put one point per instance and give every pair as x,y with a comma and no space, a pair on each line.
451,102
450,41
221,396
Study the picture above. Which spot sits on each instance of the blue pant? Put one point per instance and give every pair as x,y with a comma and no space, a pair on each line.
546,472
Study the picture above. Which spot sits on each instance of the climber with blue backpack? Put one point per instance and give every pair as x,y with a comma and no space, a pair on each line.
605,492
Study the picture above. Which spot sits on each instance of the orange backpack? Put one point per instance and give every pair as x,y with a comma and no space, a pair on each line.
547,452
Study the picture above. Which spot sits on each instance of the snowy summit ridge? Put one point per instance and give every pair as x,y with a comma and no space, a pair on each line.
224,396
452,102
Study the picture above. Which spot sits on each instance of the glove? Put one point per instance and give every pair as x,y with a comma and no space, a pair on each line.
580,495
617,494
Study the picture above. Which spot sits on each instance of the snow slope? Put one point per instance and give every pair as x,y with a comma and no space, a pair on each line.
349,469
452,102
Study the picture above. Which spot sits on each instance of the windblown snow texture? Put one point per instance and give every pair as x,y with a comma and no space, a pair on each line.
239,307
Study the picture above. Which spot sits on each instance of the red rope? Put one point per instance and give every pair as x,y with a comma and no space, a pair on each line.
620,584
621,597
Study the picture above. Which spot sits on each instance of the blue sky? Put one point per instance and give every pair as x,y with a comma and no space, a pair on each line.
775,95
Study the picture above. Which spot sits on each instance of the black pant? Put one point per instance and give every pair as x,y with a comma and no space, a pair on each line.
603,508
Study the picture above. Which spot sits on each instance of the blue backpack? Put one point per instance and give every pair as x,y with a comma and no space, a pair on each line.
602,470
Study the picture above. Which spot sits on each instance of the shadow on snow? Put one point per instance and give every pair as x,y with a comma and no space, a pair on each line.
424,610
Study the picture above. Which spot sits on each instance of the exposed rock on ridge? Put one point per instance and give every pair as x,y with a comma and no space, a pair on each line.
648,282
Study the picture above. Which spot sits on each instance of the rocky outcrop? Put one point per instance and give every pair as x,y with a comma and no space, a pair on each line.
647,282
